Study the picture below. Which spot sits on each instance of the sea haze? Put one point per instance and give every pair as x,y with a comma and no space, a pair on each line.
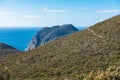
19,37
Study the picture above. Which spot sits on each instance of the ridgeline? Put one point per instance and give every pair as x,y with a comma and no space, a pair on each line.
70,58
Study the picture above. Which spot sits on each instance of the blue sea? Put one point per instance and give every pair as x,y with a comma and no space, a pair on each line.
19,37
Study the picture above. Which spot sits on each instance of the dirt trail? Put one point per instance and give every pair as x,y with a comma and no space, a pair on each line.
95,33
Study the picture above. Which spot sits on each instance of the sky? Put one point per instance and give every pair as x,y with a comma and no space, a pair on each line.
43,13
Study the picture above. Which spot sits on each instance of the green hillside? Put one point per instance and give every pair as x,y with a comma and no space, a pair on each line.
7,50
69,58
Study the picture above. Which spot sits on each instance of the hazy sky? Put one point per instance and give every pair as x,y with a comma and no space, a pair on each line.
28,13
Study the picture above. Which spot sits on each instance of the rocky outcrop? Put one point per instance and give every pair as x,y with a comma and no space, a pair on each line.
7,49
76,57
49,34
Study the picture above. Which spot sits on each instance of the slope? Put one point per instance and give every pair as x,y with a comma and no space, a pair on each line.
6,49
49,34
70,58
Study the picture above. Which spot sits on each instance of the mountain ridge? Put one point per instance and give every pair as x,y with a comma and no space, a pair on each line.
49,34
72,57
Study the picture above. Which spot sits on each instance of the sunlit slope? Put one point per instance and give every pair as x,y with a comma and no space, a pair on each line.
72,57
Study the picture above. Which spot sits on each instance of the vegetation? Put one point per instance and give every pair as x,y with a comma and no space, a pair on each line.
72,57
49,34
112,73
6,49
4,74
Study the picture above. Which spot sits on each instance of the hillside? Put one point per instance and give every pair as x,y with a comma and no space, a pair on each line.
49,34
7,49
69,58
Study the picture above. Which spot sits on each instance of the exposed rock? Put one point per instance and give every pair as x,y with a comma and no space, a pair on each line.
72,57
49,34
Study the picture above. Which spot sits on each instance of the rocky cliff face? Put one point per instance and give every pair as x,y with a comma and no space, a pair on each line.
72,57
49,34
7,49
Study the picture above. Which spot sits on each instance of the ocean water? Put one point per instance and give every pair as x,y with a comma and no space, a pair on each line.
19,37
